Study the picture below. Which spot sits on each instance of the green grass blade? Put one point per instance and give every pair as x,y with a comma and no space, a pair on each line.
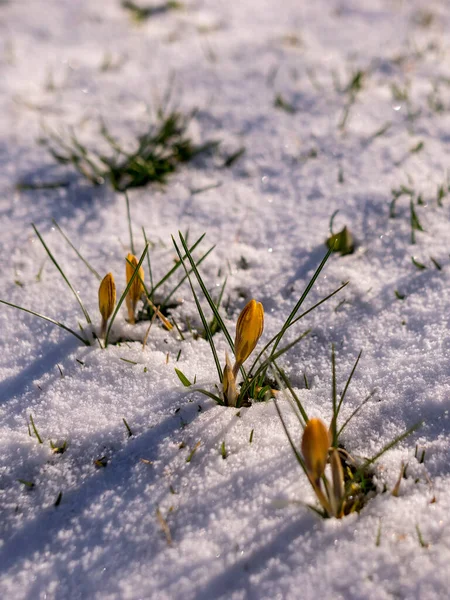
31,312
36,433
288,385
150,273
212,396
123,296
207,294
90,267
297,454
334,398
182,377
347,384
354,413
258,357
301,300
202,315
177,264
180,283
266,363
53,259
130,229
391,444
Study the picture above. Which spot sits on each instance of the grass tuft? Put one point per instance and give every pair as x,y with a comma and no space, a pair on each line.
157,153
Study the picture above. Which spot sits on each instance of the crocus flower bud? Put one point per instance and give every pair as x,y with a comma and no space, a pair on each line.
106,299
136,288
315,445
249,328
230,393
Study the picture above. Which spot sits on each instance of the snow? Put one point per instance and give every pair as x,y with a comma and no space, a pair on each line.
239,526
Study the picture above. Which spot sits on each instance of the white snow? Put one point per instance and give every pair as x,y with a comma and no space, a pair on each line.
239,526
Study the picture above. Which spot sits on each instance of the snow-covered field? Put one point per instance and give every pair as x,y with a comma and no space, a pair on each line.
273,77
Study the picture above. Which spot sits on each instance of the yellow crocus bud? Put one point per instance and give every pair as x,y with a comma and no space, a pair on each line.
249,328
230,393
136,288
106,299
315,445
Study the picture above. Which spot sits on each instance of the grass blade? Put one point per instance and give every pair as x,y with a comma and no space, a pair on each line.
347,384
53,259
301,300
211,395
207,295
200,260
354,413
36,433
334,397
123,296
392,443
150,273
266,363
90,267
258,357
129,223
201,313
177,264
31,312
288,385
298,456
182,377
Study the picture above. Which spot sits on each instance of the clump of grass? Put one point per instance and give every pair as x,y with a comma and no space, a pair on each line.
154,304
281,103
342,484
142,13
81,338
414,220
158,153
255,384
352,90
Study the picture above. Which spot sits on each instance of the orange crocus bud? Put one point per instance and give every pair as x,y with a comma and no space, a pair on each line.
106,299
136,288
249,328
315,445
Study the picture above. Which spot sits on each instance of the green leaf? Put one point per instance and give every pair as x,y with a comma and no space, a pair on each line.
182,377
91,268
31,312
341,242
199,308
53,259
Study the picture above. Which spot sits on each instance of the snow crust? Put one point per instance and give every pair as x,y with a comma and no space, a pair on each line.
239,526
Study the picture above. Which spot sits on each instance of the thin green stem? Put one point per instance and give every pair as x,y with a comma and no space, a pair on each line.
53,259
31,312
202,315
90,267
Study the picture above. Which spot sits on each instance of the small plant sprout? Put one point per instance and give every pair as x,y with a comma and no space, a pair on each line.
255,385
136,287
106,300
160,150
341,483
342,241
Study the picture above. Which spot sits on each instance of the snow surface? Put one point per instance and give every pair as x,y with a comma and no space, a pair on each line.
239,527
